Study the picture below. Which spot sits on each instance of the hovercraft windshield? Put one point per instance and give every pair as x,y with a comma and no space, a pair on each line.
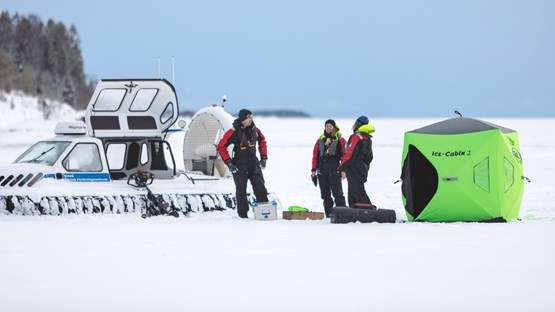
44,152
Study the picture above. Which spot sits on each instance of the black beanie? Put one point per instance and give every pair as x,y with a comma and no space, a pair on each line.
331,122
244,114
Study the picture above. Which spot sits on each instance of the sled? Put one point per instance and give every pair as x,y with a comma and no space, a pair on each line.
362,215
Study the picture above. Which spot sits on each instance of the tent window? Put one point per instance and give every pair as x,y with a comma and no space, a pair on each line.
509,174
481,174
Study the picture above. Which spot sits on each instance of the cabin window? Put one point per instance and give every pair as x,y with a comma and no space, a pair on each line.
158,159
115,155
109,100
161,156
143,99
167,151
144,154
84,157
133,156
44,152
168,113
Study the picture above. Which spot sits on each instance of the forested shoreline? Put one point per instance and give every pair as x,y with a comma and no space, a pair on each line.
43,59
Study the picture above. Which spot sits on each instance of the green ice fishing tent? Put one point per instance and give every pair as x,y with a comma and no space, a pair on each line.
462,169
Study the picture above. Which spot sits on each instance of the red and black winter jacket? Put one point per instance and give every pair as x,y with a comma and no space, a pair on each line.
327,153
244,143
358,154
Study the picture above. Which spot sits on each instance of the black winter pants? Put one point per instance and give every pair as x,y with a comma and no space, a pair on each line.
331,184
357,194
249,170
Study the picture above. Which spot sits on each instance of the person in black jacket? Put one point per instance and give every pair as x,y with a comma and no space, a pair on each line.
356,163
326,157
245,165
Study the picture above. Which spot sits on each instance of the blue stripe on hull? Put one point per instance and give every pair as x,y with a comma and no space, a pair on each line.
82,177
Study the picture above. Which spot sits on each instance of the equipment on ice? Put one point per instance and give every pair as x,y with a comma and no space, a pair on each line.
157,204
301,213
120,159
265,211
362,215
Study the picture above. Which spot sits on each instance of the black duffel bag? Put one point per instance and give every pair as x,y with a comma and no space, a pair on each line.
362,215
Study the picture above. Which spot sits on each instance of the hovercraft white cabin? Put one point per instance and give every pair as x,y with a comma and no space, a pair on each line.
127,126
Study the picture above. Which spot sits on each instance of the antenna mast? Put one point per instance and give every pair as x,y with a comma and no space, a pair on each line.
173,70
158,67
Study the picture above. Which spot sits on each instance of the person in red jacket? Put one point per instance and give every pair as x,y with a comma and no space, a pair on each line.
245,165
326,157
356,163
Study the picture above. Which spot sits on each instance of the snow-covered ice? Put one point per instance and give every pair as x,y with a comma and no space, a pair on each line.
217,262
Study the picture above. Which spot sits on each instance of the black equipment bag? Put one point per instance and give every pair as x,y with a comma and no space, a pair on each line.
362,215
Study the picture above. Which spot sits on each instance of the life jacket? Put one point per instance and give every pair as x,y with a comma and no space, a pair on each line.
366,130
332,145
358,151
366,147
244,140
248,136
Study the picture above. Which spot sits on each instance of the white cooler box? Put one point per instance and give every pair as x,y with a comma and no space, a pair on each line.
265,211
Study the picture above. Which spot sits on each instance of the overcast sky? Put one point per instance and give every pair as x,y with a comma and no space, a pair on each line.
328,58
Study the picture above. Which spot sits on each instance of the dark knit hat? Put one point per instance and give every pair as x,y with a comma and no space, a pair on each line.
362,120
244,114
331,122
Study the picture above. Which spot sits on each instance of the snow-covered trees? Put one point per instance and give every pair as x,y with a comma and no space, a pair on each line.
42,60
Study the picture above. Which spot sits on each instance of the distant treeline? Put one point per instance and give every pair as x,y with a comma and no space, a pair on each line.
277,113
281,113
42,60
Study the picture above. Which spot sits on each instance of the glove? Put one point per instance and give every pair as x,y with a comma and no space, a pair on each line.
232,168
315,180
263,163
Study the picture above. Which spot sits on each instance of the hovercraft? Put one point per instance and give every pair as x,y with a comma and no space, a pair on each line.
119,160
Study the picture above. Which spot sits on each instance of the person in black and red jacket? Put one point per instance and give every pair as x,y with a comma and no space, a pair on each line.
326,157
356,163
245,165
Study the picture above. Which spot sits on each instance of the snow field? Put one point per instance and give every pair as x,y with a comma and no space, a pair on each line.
217,262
